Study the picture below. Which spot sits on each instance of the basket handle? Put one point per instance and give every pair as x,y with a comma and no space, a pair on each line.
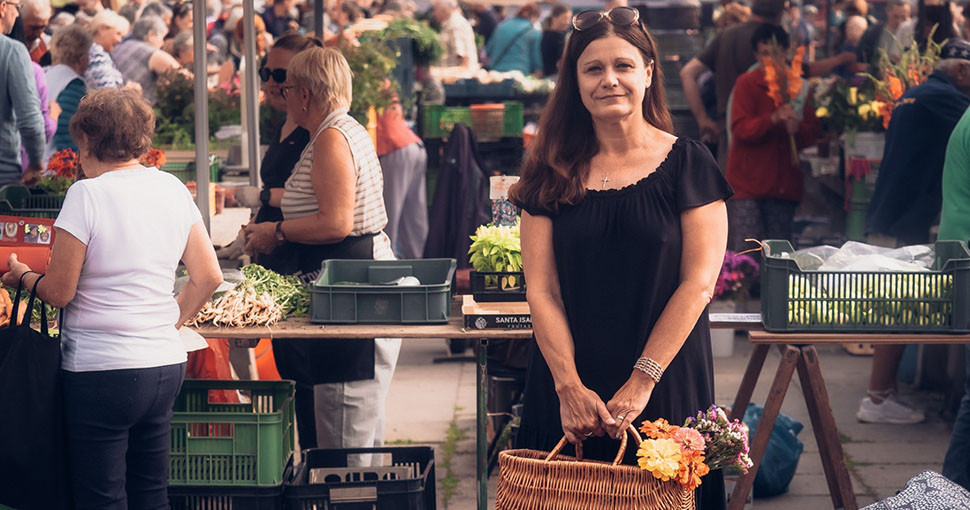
631,431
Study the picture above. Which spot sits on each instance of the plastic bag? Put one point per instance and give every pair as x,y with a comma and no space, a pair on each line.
855,256
780,460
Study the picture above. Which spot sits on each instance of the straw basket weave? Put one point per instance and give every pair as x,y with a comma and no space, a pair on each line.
534,480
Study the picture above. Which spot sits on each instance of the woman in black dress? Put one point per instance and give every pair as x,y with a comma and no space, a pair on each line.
623,236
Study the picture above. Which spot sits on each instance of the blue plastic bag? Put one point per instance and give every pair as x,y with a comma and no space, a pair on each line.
781,456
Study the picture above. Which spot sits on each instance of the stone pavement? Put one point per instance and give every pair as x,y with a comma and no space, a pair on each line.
427,399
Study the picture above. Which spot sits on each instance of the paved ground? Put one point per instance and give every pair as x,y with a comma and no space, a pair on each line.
427,397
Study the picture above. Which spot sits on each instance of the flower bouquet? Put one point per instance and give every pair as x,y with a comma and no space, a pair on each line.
894,78
154,157
738,273
848,106
786,86
685,454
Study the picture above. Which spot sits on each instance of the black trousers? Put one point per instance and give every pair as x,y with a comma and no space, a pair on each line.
118,425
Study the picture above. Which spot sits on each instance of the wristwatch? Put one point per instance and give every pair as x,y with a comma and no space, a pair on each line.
280,236
264,196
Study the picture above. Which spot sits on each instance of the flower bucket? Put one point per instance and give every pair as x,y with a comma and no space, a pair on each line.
722,340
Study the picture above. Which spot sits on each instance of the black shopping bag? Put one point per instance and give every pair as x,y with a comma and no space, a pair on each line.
33,449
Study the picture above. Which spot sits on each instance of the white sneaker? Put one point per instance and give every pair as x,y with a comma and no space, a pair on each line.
889,411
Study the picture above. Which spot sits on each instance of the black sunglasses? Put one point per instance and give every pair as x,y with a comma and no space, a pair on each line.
279,75
619,16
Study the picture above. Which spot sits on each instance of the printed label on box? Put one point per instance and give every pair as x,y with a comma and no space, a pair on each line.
499,185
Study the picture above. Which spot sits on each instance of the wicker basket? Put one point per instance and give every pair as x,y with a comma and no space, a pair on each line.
534,480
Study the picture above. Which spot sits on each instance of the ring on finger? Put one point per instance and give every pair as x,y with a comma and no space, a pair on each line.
620,417
588,434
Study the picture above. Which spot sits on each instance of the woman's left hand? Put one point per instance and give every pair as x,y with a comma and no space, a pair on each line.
261,237
17,269
628,402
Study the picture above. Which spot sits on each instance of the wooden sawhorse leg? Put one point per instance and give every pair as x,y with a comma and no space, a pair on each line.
805,360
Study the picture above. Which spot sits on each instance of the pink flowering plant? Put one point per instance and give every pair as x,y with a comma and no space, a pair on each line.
738,273
726,440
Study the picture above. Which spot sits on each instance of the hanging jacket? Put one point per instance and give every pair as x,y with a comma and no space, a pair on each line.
460,200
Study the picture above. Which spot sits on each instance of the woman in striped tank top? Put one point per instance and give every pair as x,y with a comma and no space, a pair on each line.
333,207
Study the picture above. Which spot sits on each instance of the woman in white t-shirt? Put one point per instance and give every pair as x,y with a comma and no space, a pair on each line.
118,241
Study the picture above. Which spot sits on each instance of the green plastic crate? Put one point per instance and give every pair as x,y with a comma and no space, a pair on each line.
439,120
185,170
514,119
16,200
797,300
220,444
351,292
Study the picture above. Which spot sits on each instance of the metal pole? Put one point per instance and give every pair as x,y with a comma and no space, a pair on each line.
481,378
250,96
318,18
201,113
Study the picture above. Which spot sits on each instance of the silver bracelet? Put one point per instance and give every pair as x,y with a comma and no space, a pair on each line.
649,367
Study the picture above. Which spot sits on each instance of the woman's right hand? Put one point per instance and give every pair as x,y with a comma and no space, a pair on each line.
582,412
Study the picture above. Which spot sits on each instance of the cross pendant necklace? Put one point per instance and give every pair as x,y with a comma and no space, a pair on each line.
606,179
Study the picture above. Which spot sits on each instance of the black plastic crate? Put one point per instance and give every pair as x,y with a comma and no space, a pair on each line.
225,498
406,483
492,287
798,300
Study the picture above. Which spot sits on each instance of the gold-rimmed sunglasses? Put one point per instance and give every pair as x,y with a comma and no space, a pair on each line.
619,16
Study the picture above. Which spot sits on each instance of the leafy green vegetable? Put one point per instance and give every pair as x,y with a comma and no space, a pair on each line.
288,291
426,43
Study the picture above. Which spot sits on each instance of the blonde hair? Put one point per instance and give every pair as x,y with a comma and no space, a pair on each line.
325,73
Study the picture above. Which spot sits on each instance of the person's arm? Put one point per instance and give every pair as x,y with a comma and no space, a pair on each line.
60,281
536,53
825,66
689,75
205,275
581,409
161,63
334,181
26,105
704,231
748,123
810,127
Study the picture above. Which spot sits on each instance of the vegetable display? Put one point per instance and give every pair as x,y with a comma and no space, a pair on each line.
263,298
238,307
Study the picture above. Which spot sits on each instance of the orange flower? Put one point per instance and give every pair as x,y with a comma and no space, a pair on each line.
795,73
154,157
659,429
771,79
63,163
692,468
895,86
886,110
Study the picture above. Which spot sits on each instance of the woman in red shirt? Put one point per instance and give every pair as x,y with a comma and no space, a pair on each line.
767,181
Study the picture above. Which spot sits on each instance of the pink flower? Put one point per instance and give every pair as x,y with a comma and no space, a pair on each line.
689,440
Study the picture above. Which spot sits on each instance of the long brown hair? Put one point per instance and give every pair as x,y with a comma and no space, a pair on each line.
557,166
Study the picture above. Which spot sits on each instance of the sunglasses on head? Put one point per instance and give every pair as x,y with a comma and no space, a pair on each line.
619,16
278,75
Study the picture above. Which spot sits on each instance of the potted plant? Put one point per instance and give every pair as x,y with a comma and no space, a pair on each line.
496,256
731,292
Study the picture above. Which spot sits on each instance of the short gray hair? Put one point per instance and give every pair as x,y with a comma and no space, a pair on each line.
62,19
898,3
447,4
109,18
70,45
156,9
148,25
37,7
182,42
